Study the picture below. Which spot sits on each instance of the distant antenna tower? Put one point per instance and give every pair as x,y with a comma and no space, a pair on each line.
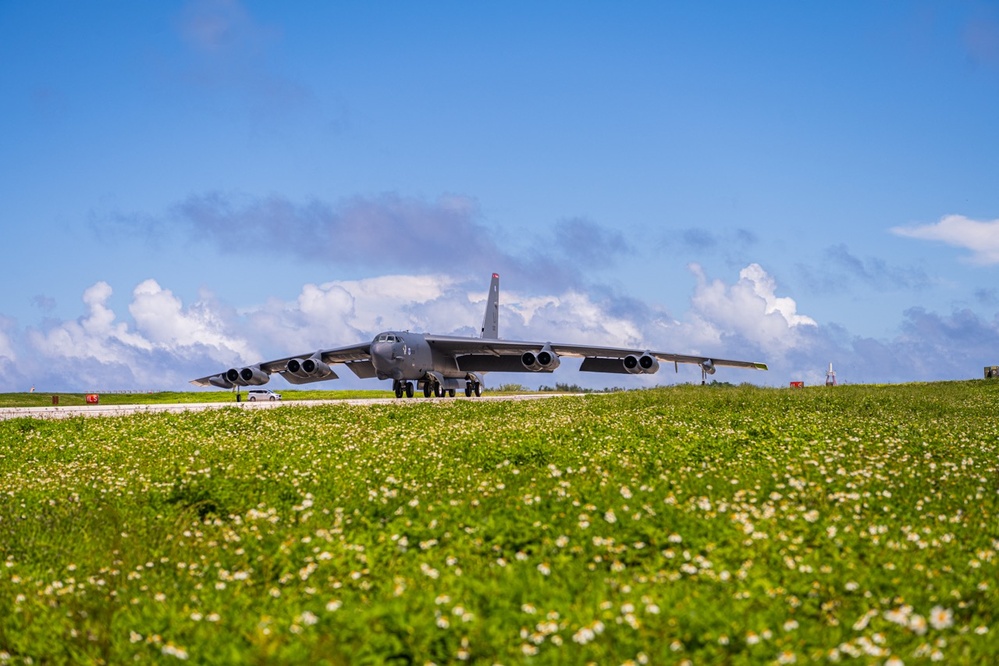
830,376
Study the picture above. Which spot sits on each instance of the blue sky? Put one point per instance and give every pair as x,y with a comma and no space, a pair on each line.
190,185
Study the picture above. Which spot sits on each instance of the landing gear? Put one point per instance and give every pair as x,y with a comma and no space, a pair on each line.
400,387
431,387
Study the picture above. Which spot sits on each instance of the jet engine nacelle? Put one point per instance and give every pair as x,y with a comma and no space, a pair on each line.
311,368
542,361
708,366
646,364
220,381
248,376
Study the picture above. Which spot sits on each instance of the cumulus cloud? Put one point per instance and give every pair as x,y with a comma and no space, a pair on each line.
571,316
161,342
95,336
347,311
980,237
161,321
749,309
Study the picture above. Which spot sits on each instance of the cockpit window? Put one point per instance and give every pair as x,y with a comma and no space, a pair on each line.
387,337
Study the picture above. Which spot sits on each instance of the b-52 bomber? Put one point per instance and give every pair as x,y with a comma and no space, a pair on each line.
441,365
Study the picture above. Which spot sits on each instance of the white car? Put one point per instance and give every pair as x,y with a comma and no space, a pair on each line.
262,394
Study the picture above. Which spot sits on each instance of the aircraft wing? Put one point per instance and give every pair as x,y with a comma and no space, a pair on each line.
299,369
484,355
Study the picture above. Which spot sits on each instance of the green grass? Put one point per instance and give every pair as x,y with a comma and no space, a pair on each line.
709,524
172,397
208,396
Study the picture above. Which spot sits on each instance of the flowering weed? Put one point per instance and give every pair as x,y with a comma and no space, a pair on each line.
706,524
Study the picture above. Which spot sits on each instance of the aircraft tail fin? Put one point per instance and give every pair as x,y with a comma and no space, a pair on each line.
490,323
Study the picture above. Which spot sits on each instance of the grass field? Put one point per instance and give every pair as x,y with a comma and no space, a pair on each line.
174,397
691,524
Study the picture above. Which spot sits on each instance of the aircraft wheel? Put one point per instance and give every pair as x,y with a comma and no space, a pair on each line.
427,389
438,390
478,389
409,389
450,392
398,389
468,389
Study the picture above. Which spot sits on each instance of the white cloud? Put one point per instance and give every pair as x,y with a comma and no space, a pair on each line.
160,324
344,312
162,343
568,317
981,238
95,336
765,287
160,317
373,298
166,343
749,309
158,348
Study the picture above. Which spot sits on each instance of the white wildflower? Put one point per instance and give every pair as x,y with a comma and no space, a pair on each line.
941,618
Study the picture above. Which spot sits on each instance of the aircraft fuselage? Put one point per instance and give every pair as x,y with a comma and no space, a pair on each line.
406,356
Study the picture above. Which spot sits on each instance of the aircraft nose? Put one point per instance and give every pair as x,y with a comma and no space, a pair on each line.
383,356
